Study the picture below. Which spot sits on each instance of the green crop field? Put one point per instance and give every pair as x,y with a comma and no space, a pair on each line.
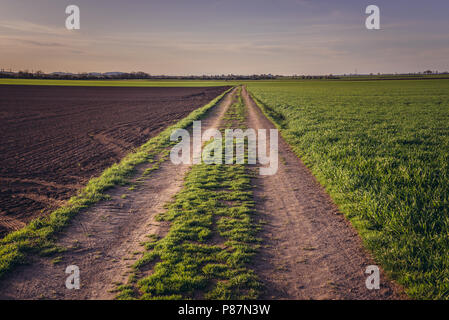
381,149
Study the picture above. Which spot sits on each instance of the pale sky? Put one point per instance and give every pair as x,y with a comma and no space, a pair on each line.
181,37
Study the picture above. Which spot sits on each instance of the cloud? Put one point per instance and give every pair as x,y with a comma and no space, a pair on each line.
40,43
29,27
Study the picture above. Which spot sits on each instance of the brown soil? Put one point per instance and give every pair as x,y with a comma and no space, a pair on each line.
105,240
54,139
310,251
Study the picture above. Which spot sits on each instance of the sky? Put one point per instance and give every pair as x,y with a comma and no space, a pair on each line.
192,37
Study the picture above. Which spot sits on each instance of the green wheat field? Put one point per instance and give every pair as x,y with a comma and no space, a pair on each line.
381,149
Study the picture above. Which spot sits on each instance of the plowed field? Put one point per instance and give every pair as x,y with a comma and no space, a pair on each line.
54,139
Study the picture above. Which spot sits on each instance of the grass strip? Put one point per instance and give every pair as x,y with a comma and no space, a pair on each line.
39,235
211,240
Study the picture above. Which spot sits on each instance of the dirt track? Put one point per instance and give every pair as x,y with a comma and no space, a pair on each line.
54,139
104,240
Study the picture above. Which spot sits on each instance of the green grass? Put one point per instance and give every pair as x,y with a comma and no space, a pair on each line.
381,149
211,240
39,235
